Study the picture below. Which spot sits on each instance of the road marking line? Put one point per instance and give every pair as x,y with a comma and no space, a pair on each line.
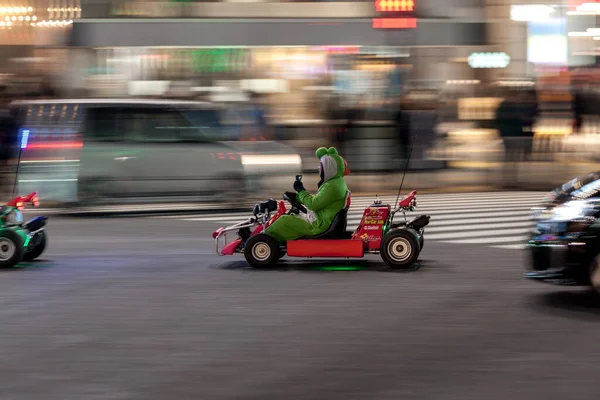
511,247
479,228
481,233
490,240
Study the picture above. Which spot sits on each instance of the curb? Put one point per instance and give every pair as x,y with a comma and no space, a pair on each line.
102,212
152,210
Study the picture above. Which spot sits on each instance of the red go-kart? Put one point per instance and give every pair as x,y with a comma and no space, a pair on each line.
398,243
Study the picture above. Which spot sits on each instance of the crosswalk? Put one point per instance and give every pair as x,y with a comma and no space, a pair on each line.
492,219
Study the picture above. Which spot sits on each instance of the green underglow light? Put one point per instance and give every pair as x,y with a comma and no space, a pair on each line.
339,268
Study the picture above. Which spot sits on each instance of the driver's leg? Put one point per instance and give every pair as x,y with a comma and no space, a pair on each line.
244,234
289,227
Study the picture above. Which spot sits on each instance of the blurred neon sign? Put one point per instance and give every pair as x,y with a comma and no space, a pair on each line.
489,60
219,60
581,5
587,7
400,14
531,12
25,138
394,23
338,49
394,5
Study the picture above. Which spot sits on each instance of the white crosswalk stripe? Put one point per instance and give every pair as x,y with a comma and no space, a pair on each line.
493,219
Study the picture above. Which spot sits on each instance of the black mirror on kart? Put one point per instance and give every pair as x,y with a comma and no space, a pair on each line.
256,210
268,206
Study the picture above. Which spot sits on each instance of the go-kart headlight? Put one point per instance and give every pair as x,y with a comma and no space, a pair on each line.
14,217
567,213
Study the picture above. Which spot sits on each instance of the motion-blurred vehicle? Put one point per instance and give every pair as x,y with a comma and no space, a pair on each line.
110,150
20,241
565,244
398,243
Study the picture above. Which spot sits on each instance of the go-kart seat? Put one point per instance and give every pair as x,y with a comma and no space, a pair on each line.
337,229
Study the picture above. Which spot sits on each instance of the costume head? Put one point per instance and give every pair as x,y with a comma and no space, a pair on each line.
331,164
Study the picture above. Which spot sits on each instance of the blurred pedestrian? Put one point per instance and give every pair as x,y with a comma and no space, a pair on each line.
47,90
403,129
514,120
336,123
260,129
8,146
530,108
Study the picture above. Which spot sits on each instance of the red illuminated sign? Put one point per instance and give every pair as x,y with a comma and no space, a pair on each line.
572,5
394,5
394,23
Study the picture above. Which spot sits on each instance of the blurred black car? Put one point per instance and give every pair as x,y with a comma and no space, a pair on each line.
565,243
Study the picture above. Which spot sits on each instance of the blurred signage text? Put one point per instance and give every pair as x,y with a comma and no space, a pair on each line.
394,5
399,14
220,60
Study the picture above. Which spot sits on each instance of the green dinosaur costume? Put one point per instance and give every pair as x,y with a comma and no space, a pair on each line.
329,200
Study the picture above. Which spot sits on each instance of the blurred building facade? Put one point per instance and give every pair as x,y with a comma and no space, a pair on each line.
33,35
324,70
288,46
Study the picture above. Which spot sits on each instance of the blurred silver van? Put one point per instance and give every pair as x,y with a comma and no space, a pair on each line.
109,150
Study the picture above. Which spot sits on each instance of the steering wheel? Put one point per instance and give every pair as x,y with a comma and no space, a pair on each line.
291,198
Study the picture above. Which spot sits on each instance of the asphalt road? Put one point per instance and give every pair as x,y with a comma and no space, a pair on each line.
141,308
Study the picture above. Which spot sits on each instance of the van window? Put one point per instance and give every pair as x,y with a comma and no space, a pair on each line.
135,124
154,125
102,125
205,126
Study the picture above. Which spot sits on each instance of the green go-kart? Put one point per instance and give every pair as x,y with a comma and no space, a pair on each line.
21,241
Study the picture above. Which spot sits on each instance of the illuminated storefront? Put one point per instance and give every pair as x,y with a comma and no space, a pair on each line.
295,80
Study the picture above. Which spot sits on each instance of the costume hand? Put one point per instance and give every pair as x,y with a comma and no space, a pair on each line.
298,186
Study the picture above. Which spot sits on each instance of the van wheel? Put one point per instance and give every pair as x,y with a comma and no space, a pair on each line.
39,242
11,248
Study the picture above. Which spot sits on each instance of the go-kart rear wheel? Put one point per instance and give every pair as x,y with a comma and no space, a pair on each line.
38,245
400,248
262,251
11,248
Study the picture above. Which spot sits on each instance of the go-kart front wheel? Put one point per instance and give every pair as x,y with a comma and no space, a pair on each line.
38,245
11,248
262,251
400,248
